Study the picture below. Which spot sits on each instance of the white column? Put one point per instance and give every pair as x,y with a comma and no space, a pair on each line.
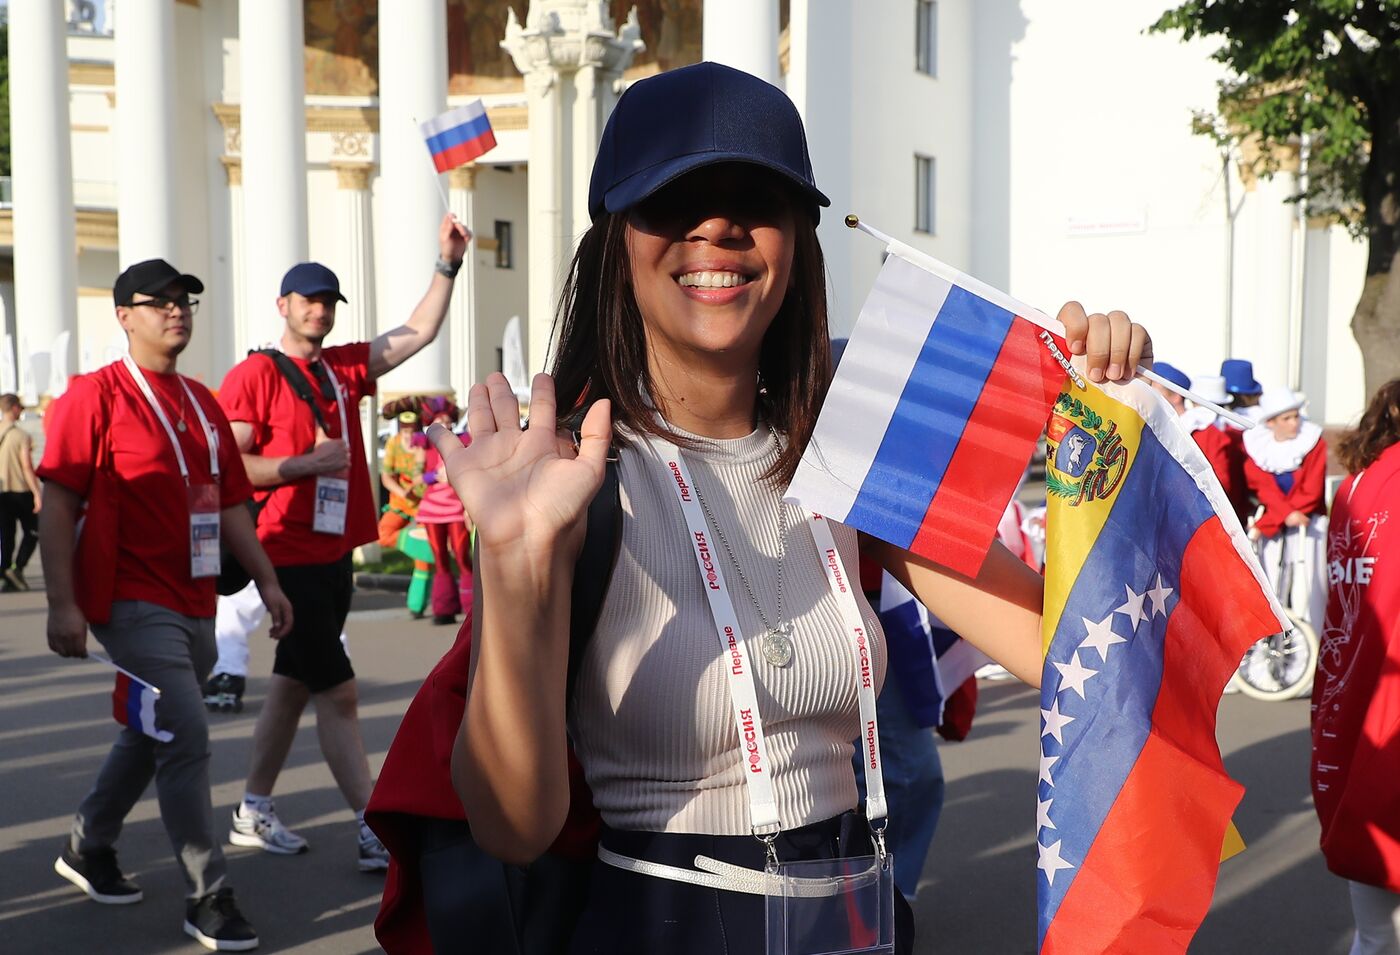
145,133
238,259
571,60
273,131
354,266
46,266
412,89
743,34
462,315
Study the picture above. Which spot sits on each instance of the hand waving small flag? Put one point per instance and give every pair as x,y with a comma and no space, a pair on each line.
458,136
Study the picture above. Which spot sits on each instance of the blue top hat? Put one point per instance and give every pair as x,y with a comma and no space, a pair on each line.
1173,374
1239,377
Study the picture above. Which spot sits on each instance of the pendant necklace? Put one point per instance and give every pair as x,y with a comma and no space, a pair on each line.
776,643
178,412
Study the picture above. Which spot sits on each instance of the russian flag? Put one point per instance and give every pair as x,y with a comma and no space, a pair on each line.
934,412
134,705
458,136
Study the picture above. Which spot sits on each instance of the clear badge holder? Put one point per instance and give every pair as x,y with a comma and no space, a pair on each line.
832,906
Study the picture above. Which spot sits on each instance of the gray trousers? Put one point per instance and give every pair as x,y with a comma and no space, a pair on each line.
174,653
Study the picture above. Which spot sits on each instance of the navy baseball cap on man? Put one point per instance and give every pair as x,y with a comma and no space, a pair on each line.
311,278
151,277
675,122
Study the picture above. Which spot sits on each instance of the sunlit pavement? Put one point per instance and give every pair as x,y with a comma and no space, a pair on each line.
978,893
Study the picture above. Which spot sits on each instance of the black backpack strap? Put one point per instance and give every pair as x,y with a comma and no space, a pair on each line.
593,571
298,381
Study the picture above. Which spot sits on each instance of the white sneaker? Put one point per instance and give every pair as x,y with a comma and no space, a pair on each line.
263,830
373,856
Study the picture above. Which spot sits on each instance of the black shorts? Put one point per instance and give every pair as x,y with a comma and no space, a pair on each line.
312,653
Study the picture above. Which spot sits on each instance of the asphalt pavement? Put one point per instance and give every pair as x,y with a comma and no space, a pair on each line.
978,893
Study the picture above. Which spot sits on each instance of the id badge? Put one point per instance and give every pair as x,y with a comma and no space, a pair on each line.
332,495
204,530
830,906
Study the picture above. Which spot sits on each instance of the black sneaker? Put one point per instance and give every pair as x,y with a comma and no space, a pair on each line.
223,693
97,873
214,921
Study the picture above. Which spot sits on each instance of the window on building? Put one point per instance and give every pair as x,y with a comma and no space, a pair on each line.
923,194
505,257
926,36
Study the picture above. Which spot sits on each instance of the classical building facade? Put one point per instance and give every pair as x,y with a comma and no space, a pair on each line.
236,137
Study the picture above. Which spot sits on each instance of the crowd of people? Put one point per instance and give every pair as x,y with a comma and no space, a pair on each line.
628,778
273,470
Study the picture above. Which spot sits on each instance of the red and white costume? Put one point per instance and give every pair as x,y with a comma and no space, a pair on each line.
1288,476
1223,446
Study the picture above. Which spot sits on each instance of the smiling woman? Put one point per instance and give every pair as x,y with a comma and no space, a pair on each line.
714,704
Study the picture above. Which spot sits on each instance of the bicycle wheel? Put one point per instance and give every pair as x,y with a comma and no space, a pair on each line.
1280,667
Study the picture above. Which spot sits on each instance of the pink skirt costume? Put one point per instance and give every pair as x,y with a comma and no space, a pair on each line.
443,517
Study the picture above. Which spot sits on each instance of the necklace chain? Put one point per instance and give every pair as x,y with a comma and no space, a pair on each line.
729,551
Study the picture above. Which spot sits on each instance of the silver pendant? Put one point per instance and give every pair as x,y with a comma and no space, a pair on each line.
180,425
777,648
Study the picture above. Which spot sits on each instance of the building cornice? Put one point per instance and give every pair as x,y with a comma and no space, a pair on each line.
96,228
88,73
365,119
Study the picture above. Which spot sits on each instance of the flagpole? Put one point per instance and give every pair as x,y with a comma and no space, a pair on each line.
107,660
938,268
437,177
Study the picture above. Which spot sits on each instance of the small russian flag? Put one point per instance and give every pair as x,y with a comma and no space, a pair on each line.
134,703
933,414
458,136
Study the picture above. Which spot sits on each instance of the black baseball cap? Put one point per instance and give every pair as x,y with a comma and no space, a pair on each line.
670,124
151,277
310,278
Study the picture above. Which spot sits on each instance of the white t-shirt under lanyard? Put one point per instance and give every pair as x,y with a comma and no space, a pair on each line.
763,807
202,499
333,493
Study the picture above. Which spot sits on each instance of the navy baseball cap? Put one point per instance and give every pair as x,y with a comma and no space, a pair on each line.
670,124
310,278
152,277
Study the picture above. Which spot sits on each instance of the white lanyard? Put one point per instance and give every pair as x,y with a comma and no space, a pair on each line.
211,436
763,807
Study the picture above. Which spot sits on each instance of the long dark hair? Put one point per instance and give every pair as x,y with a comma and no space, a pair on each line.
601,347
1378,430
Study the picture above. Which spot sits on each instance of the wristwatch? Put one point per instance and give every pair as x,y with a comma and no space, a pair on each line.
449,269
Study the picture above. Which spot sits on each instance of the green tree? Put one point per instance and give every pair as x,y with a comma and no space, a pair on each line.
1327,70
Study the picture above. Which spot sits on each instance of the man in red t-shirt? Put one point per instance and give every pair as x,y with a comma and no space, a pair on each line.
304,455
142,476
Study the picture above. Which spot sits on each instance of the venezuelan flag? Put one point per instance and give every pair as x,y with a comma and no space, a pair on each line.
1152,594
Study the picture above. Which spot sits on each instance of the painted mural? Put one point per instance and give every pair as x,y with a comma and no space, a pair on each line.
342,47
342,43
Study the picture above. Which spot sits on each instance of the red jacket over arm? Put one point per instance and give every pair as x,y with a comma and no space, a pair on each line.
1356,696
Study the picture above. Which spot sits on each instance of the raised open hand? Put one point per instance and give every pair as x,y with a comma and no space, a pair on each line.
524,488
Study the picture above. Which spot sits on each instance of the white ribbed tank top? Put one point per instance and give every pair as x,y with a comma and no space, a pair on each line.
651,718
